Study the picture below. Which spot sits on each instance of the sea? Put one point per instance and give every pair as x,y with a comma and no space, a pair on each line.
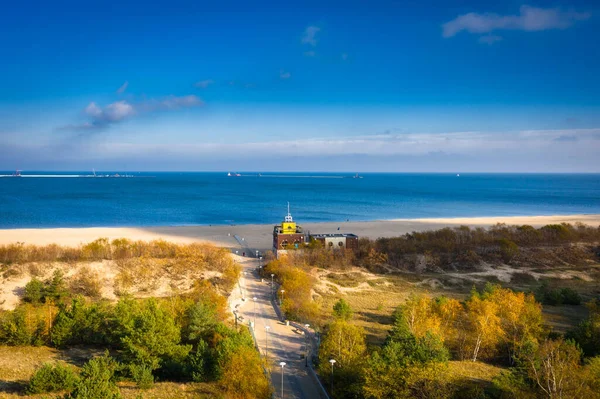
180,199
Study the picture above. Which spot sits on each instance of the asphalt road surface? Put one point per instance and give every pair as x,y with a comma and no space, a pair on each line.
281,343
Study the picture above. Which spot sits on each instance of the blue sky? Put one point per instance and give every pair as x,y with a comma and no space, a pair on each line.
469,86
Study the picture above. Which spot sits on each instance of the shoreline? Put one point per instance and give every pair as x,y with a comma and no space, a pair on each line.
260,235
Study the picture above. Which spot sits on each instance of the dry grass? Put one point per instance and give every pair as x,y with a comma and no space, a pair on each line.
467,373
167,390
18,363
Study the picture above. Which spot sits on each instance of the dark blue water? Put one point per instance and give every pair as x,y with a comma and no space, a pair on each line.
214,198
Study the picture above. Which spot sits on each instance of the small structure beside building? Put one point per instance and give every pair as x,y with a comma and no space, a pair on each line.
290,236
338,240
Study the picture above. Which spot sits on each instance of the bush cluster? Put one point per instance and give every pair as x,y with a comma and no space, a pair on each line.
557,297
467,246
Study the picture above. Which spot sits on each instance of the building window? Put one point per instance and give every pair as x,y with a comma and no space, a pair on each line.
284,243
341,244
330,244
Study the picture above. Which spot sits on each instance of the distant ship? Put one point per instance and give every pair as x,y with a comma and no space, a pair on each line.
16,174
233,174
356,176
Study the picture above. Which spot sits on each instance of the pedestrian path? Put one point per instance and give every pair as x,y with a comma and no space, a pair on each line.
278,343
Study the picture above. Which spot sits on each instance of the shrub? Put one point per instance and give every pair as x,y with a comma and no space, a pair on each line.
87,282
97,380
13,329
142,375
508,250
52,378
570,297
342,310
34,291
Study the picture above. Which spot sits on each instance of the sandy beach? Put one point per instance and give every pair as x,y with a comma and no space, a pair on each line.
259,236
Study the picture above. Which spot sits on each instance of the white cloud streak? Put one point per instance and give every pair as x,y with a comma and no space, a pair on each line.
203,84
284,75
310,35
411,144
489,39
123,87
529,19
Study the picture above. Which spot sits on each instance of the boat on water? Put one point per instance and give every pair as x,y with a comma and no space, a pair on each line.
233,174
356,176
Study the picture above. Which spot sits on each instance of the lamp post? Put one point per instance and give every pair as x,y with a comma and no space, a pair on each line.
254,299
267,328
281,299
306,343
282,364
332,361
272,286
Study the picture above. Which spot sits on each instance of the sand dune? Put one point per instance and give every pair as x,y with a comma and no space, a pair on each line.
259,236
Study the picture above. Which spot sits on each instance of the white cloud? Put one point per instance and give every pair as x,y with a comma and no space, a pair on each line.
284,75
310,35
310,53
122,110
529,19
489,39
174,102
203,84
114,112
123,87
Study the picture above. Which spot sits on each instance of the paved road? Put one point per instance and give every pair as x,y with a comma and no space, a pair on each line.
284,344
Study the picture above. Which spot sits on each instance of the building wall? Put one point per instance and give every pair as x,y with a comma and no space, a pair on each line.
335,242
352,243
290,239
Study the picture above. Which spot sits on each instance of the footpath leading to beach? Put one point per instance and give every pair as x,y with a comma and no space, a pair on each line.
261,235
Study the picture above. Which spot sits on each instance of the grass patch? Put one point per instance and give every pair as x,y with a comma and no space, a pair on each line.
350,280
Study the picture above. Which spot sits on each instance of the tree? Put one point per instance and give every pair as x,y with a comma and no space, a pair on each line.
242,364
485,324
343,342
202,320
408,367
342,310
34,291
508,249
520,319
149,334
555,369
417,317
97,380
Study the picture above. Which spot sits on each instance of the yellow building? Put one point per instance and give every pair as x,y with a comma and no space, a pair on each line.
288,234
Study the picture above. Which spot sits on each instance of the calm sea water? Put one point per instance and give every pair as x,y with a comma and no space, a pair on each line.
153,199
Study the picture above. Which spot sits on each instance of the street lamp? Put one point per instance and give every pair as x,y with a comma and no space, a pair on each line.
282,364
306,343
272,286
332,361
281,299
267,328
254,299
